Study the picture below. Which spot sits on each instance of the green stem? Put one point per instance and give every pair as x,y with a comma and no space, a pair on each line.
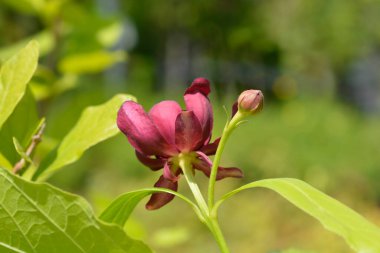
185,164
230,126
210,220
218,235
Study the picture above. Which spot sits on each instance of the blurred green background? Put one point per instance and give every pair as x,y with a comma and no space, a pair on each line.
317,62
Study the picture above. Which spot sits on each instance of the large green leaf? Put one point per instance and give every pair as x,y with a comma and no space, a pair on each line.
360,234
96,124
14,76
121,208
37,217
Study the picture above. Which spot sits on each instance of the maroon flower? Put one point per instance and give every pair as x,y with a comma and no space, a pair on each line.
167,131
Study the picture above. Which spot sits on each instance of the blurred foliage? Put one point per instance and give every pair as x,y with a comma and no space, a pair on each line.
317,62
246,42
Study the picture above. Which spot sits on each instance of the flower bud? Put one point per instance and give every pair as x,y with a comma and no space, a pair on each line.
251,101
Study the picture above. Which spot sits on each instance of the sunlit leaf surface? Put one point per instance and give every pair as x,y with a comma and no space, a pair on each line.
14,76
96,124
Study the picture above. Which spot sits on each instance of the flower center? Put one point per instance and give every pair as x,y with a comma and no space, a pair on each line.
189,157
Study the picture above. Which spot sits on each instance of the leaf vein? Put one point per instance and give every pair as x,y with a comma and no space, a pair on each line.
44,214
17,225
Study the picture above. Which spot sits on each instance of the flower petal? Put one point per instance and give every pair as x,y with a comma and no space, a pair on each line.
229,172
188,132
197,101
158,200
235,108
204,164
199,84
204,158
153,164
168,172
163,116
210,149
141,132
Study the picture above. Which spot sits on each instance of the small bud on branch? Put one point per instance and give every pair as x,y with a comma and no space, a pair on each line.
18,167
251,101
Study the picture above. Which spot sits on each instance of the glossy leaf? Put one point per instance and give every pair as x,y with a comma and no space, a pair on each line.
96,124
121,208
39,218
359,233
14,76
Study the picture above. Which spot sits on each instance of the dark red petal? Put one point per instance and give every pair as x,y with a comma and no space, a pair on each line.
141,132
210,149
235,108
204,164
199,84
188,132
163,116
202,156
157,200
197,101
153,164
168,172
229,172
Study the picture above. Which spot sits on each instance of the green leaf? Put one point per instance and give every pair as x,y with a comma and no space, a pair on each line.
121,208
360,234
14,76
92,62
96,124
21,124
37,217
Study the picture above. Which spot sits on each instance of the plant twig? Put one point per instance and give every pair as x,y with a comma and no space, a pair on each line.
17,168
